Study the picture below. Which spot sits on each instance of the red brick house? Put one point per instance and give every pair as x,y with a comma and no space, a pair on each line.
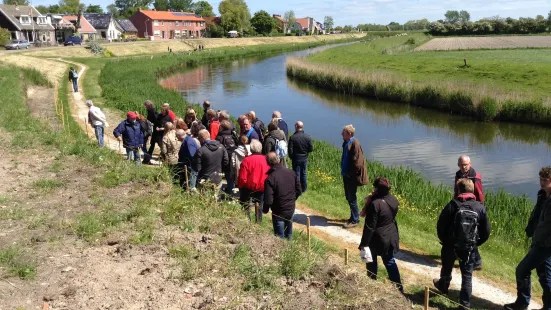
162,25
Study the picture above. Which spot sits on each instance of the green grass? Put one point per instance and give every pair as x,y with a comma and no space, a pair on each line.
17,263
508,85
48,185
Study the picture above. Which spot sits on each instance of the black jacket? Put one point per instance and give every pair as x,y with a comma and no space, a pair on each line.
539,225
271,140
210,160
160,122
226,139
445,225
281,124
300,144
281,190
380,228
152,116
205,119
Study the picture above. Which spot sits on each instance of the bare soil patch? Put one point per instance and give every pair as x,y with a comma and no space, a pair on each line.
461,43
40,101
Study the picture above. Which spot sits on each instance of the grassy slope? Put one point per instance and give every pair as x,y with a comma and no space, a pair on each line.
520,70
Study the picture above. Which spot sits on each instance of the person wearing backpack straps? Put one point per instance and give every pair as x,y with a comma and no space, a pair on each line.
73,77
226,139
462,226
275,142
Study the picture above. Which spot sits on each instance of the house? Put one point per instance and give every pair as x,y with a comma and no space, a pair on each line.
129,31
63,28
280,22
26,23
306,25
86,30
161,25
105,24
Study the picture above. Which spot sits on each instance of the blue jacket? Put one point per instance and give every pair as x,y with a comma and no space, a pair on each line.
132,135
187,151
281,124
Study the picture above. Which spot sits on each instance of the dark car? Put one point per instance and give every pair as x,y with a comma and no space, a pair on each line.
17,44
72,40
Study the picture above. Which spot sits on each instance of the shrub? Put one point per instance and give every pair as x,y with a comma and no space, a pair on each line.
461,103
97,48
487,110
295,262
5,36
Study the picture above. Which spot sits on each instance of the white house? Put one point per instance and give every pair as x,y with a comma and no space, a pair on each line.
106,26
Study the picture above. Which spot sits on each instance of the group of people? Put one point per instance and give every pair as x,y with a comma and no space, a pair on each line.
251,157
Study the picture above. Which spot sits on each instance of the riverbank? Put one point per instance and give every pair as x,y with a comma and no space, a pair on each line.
502,85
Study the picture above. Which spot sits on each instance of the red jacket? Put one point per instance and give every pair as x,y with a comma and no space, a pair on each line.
477,180
253,173
172,115
214,127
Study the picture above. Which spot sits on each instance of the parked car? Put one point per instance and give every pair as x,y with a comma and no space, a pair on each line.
72,40
17,44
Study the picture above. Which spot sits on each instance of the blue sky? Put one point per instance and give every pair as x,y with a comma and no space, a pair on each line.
384,11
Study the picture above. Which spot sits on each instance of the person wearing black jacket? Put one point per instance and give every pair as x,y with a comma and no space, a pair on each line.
210,160
151,117
205,119
226,139
539,255
380,231
300,145
281,191
450,252
158,129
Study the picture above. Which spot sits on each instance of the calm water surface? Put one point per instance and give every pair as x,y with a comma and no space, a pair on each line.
507,155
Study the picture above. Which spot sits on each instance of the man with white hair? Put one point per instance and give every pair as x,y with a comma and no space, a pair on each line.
252,174
466,171
257,124
97,120
281,123
210,159
300,145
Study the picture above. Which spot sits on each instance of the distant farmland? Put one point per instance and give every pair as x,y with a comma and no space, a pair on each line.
465,43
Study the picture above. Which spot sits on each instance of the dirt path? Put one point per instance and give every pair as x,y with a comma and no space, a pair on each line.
482,290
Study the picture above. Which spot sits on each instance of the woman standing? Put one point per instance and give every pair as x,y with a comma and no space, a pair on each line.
380,232
170,147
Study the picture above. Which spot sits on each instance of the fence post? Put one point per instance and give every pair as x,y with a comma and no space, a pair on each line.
187,180
308,230
345,257
427,295
256,211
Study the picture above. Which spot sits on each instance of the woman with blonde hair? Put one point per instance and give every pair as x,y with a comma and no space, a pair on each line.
169,150
191,118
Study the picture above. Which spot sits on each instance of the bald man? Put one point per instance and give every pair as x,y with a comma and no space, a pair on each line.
300,145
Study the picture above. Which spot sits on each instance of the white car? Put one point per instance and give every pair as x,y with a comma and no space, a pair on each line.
17,44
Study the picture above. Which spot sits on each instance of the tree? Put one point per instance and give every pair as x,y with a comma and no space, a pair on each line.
54,8
19,2
71,6
262,22
5,36
42,9
113,10
214,31
203,8
127,8
464,16
549,20
328,23
181,5
452,17
235,15
94,8
161,5
289,16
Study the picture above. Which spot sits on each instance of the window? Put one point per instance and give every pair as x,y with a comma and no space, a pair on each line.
25,19
170,23
157,33
41,20
202,24
162,23
177,23
177,31
155,23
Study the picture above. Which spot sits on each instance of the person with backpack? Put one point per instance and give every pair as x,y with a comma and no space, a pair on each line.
281,124
380,232
130,133
243,150
539,254
258,125
275,142
97,120
226,138
147,129
73,77
462,226
158,130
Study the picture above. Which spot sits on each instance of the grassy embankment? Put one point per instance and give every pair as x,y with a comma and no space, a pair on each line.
505,85
421,200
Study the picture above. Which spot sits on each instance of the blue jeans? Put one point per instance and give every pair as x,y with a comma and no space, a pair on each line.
229,183
391,269
538,258
134,154
300,169
99,134
191,177
466,266
350,189
282,228
75,85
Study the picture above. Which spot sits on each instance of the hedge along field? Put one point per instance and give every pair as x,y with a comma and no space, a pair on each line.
506,85
127,83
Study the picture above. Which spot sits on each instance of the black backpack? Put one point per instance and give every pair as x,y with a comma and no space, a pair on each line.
465,227
235,137
258,126
229,143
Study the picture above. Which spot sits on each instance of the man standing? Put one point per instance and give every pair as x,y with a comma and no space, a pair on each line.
248,130
281,191
300,145
281,123
204,119
258,125
210,159
97,120
131,135
462,226
353,172
252,174
185,158
226,139
73,77
152,118
466,171
158,129
539,255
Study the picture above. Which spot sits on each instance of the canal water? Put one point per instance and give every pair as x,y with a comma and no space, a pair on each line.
508,155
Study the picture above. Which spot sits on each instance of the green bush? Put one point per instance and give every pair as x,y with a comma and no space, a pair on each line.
295,261
461,103
5,36
487,110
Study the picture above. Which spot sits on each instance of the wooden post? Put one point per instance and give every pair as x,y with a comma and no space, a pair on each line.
465,60
256,211
187,180
345,256
308,230
86,125
427,295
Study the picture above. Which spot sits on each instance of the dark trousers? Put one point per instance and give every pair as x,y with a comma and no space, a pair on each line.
350,189
299,166
466,265
283,228
155,139
538,258
391,269
146,156
75,85
248,198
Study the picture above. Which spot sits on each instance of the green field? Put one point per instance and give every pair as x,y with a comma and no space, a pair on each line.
507,84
